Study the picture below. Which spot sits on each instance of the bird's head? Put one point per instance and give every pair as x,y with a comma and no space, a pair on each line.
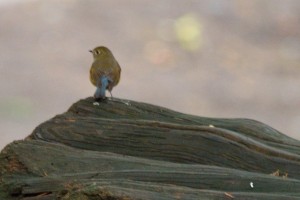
100,52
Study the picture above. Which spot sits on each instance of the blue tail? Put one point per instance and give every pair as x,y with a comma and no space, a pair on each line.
100,92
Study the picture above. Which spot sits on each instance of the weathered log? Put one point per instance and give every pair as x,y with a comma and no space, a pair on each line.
123,149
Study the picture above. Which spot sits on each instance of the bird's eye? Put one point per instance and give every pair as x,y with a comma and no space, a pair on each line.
97,52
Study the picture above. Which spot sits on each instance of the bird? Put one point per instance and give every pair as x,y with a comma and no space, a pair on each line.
105,72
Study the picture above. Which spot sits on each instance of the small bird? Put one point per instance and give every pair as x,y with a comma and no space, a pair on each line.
105,72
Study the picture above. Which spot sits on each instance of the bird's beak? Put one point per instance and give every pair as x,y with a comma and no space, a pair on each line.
91,51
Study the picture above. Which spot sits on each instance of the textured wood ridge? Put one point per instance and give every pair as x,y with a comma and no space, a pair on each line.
123,149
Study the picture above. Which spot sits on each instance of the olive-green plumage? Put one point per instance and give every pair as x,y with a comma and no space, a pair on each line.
105,71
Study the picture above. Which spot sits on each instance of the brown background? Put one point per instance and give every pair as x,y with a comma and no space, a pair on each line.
246,64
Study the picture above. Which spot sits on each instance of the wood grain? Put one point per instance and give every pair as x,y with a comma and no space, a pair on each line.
122,149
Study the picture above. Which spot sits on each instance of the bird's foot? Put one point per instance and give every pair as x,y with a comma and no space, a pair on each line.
100,99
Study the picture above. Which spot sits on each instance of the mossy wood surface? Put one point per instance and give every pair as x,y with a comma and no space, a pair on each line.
126,150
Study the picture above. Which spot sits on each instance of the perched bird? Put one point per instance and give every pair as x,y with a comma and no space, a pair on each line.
105,71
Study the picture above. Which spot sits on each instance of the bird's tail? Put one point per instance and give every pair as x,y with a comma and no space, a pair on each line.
103,83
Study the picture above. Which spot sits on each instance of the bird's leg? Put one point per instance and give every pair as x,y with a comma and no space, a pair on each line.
110,94
109,88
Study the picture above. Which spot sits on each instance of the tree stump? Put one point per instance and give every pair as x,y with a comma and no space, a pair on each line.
120,149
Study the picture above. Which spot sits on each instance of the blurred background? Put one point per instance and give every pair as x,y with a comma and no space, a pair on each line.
221,58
